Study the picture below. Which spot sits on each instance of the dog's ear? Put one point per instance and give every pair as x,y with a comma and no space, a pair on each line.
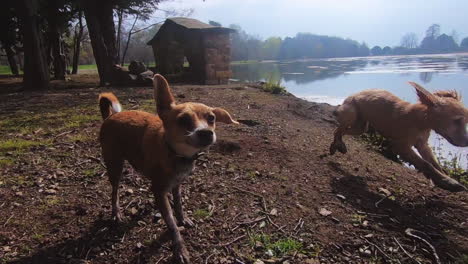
424,95
223,116
162,94
449,94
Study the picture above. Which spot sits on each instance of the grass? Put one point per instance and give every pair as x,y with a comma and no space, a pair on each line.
5,70
19,144
281,247
274,87
451,163
357,219
201,213
380,144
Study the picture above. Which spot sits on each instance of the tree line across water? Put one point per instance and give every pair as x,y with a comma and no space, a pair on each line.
307,45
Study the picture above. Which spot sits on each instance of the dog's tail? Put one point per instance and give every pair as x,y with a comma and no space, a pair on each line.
109,105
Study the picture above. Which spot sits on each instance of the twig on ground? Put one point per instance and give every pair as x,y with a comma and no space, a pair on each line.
64,133
231,242
380,250
264,207
206,260
8,220
404,251
97,160
410,232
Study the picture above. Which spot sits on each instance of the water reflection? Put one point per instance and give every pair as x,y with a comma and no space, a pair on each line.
308,71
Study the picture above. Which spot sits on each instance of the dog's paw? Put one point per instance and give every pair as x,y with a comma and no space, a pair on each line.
181,255
340,146
449,184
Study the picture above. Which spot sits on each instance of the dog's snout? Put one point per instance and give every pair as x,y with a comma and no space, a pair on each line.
205,136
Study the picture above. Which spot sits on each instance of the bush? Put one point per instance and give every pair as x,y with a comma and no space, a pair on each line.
274,87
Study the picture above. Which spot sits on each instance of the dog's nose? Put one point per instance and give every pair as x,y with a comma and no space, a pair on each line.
205,136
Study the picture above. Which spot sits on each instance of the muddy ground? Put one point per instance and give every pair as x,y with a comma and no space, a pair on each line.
266,191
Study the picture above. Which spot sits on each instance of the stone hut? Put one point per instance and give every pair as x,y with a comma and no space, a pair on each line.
206,48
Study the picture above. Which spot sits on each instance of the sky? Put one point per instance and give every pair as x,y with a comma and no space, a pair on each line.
376,22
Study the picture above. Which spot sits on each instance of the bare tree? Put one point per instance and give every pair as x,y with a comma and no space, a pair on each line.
409,41
433,31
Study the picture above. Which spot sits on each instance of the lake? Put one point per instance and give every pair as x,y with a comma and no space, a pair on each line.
332,80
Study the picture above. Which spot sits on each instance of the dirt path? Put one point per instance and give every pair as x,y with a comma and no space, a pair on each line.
267,190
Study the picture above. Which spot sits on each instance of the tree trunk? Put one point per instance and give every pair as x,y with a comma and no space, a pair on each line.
55,39
99,19
36,74
119,31
77,44
12,61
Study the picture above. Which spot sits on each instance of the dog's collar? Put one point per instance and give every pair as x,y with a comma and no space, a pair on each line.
182,157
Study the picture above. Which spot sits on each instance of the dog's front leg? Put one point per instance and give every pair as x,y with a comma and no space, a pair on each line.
426,153
180,252
440,179
182,220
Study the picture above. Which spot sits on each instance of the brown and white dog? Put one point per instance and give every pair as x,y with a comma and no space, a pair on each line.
162,147
407,125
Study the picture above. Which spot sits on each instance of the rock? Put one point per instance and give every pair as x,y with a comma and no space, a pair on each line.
365,252
146,75
274,212
129,191
133,211
269,253
136,67
50,191
324,212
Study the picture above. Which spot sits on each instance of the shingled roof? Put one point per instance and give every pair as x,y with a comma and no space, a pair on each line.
191,24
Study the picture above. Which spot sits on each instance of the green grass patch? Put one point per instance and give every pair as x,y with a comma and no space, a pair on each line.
274,87
80,138
91,172
280,247
451,163
19,144
357,219
74,121
4,162
201,213
5,70
463,259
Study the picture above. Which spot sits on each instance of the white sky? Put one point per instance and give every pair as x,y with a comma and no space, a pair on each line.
376,22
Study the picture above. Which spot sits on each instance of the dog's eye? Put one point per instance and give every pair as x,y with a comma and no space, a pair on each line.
210,119
185,121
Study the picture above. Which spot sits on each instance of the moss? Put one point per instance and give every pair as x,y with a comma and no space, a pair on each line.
201,213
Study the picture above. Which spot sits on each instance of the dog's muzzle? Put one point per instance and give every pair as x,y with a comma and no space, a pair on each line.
205,137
